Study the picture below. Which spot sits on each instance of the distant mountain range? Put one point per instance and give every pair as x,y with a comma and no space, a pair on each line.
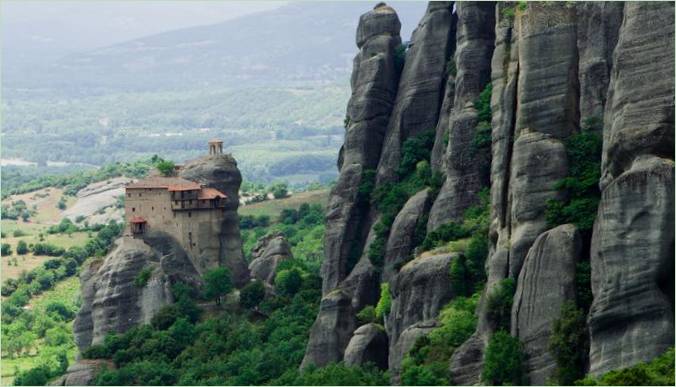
297,43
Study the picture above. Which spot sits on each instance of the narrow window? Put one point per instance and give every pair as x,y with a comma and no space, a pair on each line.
139,195
189,214
152,208
128,195
133,209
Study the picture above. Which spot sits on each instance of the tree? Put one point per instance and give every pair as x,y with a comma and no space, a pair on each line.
385,301
22,247
217,283
165,167
6,249
288,282
503,361
279,190
252,294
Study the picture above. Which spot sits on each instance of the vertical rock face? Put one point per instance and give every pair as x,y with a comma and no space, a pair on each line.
466,169
225,249
399,248
632,315
420,92
419,292
546,281
267,254
374,88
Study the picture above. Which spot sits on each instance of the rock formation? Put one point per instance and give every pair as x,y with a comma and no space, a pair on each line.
546,281
220,171
83,373
555,70
632,316
367,345
266,255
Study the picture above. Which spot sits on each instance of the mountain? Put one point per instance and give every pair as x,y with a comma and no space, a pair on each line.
299,42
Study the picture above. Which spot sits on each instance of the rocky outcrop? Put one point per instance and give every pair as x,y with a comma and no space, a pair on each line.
266,256
421,86
466,168
632,315
83,373
367,345
112,298
419,292
399,248
546,281
221,243
97,202
405,343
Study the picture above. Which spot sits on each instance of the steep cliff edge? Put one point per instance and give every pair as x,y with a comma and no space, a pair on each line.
578,133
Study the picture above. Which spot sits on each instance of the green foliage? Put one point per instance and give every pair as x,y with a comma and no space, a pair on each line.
400,57
6,249
288,282
581,185
458,276
568,338
367,315
508,13
247,222
22,247
335,375
279,190
47,249
657,372
166,167
583,290
252,294
499,303
217,283
451,69
385,302
66,226
446,232
503,360
427,362
143,276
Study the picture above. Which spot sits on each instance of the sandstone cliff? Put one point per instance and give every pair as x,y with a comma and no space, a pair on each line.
555,73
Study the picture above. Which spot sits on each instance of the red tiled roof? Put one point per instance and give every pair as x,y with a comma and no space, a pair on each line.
210,193
170,183
137,219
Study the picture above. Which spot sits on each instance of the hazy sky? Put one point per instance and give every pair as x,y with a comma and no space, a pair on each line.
88,24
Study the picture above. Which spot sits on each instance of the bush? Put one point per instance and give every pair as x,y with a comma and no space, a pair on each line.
288,282
18,233
335,375
165,317
367,315
143,276
6,249
385,302
47,249
568,343
499,303
22,247
217,283
280,190
657,372
165,167
445,233
584,151
61,310
503,361
38,376
252,294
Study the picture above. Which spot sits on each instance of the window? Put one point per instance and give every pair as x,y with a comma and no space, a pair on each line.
133,209
128,195
152,208
189,214
139,194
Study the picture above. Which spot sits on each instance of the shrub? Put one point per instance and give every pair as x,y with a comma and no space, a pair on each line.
252,294
166,167
567,343
33,377
279,190
143,276
657,372
583,290
335,375
367,315
18,233
47,249
499,303
445,233
165,317
6,249
217,283
61,205
503,360
385,301
288,282
61,310
22,247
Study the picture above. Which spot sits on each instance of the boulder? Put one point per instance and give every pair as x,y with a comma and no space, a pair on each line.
367,345
546,282
267,254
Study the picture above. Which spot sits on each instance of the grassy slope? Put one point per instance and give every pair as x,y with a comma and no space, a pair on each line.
272,208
